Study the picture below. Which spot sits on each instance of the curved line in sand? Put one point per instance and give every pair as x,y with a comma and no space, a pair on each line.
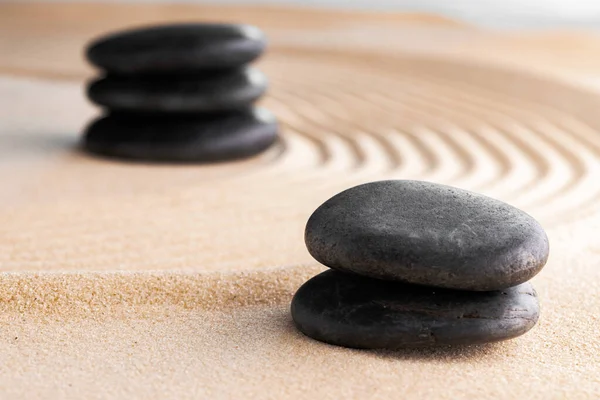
466,116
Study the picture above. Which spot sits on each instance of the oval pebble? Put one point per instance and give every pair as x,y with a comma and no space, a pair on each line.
177,48
211,92
197,138
354,311
428,234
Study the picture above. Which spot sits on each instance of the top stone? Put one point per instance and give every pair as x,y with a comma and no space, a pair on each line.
181,48
428,234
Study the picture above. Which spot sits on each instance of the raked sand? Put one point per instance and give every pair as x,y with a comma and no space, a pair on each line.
129,281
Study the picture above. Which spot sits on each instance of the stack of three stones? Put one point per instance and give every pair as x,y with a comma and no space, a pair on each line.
417,264
180,93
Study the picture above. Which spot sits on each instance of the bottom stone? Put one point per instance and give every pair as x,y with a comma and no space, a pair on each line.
182,138
355,311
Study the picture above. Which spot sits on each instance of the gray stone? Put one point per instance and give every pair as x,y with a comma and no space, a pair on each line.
182,138
427,234
209,92
354,311
179,48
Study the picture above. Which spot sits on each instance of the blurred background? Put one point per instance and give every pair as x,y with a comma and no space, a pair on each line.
496,13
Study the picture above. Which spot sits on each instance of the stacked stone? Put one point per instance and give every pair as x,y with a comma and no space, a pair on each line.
418,264
180,93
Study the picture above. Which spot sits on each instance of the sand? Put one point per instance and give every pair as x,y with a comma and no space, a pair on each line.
128,281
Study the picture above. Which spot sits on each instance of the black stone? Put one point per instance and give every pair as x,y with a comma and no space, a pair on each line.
177,48
428,234
210,92
354,311
197,138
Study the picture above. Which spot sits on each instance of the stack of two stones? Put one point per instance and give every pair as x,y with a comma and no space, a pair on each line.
180,93
417,264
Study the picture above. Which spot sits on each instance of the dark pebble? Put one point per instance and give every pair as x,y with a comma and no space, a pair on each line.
353,311
428,234
197,138
217,91
177,48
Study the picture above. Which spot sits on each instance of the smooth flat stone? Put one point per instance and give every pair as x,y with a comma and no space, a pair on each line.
217,91
355,311
178,48
220,137
428,234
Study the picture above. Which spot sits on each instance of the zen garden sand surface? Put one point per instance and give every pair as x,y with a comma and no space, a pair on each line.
130,281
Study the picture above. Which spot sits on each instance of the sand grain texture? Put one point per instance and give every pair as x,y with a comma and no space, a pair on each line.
129,281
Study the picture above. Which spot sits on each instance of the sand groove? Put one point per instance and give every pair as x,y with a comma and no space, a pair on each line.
508,146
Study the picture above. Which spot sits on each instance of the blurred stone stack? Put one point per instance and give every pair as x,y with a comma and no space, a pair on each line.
180,93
